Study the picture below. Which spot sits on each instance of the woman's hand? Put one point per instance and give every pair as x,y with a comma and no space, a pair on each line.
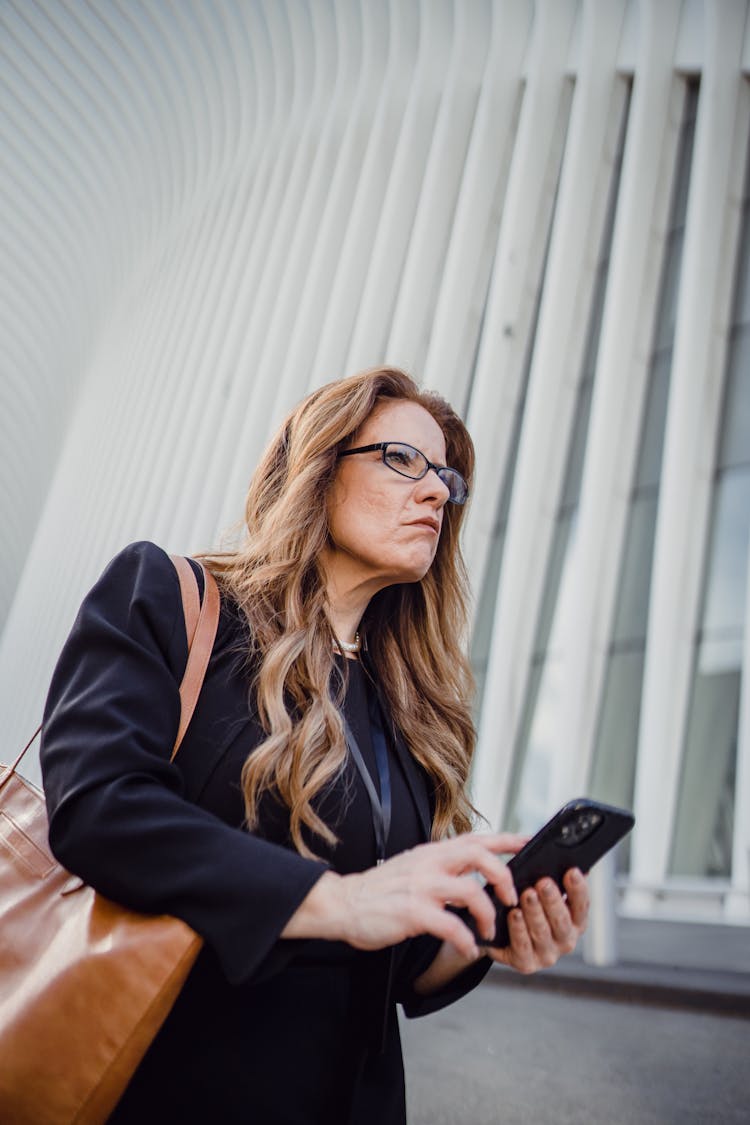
407,895
545,926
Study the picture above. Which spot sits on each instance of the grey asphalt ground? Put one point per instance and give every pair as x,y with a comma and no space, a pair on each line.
517,1056
661,1037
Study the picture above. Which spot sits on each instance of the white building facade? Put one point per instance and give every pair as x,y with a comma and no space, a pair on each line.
538,207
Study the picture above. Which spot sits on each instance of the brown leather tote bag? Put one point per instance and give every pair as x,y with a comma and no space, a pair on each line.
84,983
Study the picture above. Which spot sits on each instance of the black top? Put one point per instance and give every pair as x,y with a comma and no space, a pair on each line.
265,1030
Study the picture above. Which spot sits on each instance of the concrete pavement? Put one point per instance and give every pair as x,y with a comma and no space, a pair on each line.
522,1056
663,1037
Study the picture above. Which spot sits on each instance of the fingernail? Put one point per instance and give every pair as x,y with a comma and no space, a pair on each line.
547,888
575,876
532,898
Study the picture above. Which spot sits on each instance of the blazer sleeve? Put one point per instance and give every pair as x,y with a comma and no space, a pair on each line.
419,954
117,811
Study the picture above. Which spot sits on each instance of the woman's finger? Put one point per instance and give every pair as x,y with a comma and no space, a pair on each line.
578,897
471,854
538,927
546,925
477,901
505,888
441,890
457,857
446,926
493,870
519,954
476,848
502,843
561,926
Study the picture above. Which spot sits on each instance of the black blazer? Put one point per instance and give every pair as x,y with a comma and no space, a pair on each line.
265,1030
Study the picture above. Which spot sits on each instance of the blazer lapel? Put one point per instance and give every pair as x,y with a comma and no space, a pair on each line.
415,777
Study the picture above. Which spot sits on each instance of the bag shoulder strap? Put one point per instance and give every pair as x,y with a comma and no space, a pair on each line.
201,623
201,633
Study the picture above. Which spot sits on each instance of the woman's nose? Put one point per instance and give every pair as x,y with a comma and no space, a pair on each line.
431,487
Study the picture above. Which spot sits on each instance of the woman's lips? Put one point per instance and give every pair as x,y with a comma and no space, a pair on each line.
427,524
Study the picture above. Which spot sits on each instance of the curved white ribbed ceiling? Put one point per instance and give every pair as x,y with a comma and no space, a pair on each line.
126,129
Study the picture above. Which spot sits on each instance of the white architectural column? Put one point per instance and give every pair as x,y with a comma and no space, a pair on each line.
621,381
552,395
390,247
352,267
430,236
309,54
516,276
698,369
343,177
473,236
195,302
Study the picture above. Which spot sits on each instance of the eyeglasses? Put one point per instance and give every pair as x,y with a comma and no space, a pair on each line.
409,462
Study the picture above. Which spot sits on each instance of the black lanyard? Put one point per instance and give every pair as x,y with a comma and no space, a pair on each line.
381,805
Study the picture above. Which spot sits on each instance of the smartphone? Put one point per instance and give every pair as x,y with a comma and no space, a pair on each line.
576,836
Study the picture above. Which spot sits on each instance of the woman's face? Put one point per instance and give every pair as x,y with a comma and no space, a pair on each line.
384,528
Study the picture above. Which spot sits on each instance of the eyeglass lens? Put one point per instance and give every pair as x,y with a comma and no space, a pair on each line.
411,463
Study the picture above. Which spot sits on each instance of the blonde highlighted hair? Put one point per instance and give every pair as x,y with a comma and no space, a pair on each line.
414,632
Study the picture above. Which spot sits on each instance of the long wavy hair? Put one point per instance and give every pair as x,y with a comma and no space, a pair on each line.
414,632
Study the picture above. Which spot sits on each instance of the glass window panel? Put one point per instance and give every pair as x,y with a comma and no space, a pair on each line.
482,636
685,155
531,807
557,557
702,842
481,642
742,291
665,320
631,618
648,472
673,251
595,322
727,554
510,819
735,438
613,767
602,268
574,470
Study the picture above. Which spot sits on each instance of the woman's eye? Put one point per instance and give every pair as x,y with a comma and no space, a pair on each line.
400,457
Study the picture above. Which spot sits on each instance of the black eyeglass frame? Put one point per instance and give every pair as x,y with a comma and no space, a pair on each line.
437,469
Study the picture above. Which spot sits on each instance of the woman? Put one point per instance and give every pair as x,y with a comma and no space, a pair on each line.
331,742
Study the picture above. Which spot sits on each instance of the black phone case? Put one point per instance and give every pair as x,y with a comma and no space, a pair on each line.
556,848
